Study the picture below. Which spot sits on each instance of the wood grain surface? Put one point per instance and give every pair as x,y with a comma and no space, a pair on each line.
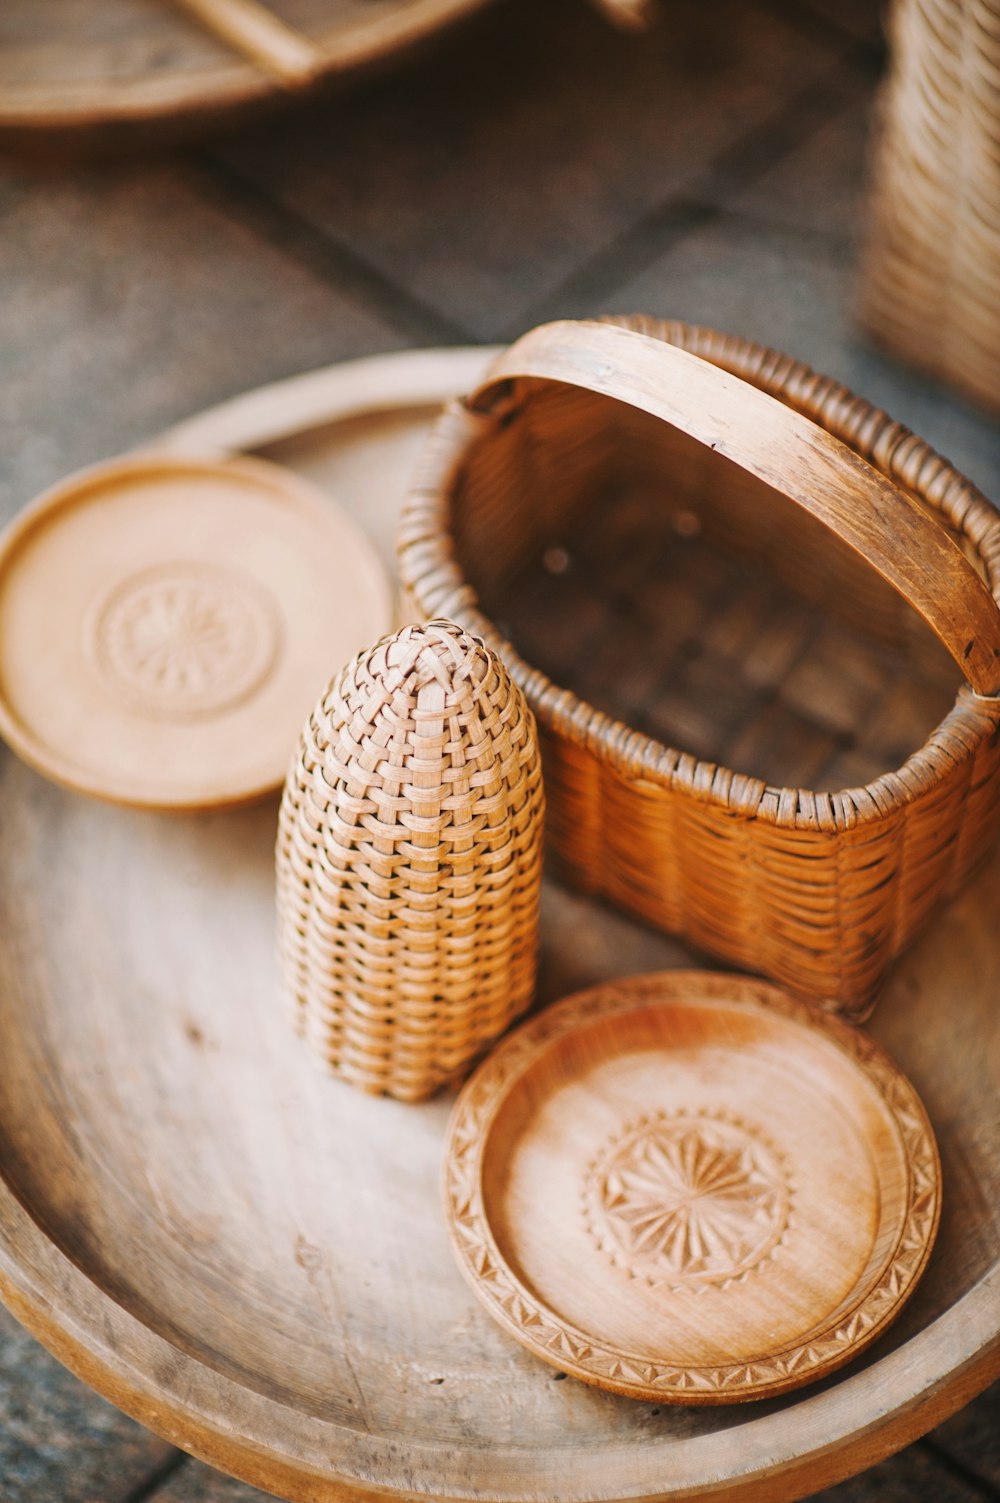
303,1364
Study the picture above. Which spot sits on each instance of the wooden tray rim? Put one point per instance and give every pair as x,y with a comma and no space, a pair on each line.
904,1394
242,1432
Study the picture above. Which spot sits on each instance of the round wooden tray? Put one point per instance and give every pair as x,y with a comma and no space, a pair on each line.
98,67
254,1262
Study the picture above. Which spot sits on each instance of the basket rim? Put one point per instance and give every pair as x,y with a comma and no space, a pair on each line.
431,572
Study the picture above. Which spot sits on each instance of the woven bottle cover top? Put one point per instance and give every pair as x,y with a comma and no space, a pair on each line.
691,1186
166,623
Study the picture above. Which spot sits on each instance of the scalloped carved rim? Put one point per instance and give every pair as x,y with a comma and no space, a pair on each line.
528,1318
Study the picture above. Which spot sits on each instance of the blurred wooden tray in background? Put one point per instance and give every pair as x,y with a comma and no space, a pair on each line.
103,68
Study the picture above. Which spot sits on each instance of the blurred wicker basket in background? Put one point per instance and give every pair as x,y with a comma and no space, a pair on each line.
931,273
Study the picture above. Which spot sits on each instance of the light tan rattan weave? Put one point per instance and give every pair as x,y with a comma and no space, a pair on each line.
669,593
409,862
931,282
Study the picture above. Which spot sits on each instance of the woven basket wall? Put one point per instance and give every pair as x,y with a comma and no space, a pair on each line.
748,738
931,277
409,862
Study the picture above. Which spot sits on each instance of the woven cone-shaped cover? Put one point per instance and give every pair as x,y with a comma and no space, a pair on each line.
409,862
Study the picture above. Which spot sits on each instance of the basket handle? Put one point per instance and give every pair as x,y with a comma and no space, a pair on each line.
790,453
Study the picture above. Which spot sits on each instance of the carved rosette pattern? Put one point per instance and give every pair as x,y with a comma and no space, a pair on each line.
610,1367
185,639
688,1199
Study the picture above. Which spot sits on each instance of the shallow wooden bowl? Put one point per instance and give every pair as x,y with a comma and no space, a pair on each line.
254,1261
691,1187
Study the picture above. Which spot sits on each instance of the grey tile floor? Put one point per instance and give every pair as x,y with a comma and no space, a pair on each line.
531,164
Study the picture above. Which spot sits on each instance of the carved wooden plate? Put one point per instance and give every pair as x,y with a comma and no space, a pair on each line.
166,625
691,1187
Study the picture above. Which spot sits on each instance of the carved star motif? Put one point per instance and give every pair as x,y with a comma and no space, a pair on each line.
182,639
688,1200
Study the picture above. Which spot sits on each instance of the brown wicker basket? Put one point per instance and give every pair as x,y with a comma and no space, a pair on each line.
931,278
707,544
409,862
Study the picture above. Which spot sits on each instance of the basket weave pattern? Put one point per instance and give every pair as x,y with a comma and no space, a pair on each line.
818,890
931,284
409,862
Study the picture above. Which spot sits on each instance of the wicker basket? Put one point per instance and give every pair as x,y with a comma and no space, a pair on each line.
409,862
704,541
931,279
